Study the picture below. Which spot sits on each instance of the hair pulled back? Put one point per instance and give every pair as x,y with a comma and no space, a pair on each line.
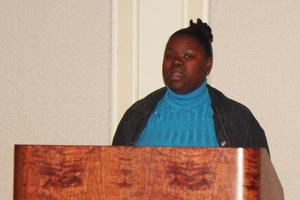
202,32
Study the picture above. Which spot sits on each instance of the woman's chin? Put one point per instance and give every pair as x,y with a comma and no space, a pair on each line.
179,90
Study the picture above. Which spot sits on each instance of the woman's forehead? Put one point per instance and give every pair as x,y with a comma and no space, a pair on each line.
183,36
185,41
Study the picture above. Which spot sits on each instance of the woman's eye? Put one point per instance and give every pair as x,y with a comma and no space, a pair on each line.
169,56
188,56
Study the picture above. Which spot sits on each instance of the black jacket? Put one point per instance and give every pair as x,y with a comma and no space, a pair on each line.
234,123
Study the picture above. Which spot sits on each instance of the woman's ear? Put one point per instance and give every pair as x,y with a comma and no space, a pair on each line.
208,64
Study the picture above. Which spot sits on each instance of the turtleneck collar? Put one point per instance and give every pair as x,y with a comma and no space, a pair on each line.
198,95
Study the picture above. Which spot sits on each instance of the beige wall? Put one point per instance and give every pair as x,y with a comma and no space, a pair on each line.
55,69
257,51
55,76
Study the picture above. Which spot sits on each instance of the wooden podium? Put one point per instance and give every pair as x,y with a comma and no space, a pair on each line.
129,173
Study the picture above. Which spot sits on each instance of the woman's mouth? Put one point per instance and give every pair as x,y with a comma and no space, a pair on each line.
176,76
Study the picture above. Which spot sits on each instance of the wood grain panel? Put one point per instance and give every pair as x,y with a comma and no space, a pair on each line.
93,172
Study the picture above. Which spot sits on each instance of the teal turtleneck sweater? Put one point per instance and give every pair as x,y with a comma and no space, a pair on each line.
181,120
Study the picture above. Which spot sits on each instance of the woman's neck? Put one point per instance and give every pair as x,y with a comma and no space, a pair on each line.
189,98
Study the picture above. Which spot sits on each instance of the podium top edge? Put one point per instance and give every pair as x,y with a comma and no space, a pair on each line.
135,147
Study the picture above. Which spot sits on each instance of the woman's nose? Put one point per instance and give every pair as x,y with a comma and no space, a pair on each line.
177,62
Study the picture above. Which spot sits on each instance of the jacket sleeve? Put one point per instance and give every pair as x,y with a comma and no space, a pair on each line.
257,137
120,134
135,119
129,128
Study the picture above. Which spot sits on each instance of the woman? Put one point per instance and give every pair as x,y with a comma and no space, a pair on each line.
188,111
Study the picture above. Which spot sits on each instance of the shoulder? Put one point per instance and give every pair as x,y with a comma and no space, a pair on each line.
149,102
242,129
135,117
226,104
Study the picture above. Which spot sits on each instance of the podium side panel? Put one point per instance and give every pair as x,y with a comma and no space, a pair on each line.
271,187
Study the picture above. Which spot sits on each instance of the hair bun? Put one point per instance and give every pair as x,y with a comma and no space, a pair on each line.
202,28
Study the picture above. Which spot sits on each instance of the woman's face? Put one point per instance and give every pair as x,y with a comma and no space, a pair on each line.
185,64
